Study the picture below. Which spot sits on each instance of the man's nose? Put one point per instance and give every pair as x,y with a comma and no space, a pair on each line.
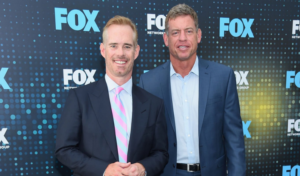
182,36
120,51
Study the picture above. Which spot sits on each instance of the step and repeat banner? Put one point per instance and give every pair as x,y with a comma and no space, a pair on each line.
48,47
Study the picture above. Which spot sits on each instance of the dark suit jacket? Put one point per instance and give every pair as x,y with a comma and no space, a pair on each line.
86,141
220,126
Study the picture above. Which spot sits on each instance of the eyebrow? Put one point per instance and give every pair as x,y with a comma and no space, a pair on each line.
112,43
184,29
129,44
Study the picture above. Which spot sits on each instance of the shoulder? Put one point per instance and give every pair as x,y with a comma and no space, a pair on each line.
215,69
143,95
214,66
89,86
86,88
83,92
156,71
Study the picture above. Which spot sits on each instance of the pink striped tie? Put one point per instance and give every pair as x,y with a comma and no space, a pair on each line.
120,122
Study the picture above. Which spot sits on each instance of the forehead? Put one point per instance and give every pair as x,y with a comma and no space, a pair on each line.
183,21
119,34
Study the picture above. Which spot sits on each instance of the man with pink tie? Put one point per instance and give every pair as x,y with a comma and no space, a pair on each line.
113,127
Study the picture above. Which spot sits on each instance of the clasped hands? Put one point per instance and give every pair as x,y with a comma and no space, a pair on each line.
125,169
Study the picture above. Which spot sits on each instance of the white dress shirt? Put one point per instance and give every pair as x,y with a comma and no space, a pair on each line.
185,97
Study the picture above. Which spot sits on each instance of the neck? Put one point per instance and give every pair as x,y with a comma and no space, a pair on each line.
183,67
119,80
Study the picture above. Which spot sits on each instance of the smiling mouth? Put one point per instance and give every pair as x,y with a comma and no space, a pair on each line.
183,47
121,62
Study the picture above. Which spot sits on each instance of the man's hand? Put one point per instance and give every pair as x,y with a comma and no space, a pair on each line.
135,169
116,169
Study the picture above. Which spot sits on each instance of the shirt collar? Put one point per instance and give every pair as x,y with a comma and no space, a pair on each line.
111,85
194,70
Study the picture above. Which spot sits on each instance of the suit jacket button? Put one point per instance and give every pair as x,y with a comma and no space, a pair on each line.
173,166
174,144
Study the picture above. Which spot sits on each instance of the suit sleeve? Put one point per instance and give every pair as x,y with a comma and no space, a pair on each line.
68,139
155,163
233,131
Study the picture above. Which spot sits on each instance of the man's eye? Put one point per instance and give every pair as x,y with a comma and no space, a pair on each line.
127,47
190,31
174,33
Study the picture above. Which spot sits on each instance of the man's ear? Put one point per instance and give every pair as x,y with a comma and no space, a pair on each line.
165,36
199,35
137,51
102,50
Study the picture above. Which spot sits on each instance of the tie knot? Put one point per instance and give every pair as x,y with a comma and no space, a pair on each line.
118,90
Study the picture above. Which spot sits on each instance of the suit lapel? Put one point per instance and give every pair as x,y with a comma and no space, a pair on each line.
101,104
204,80
166,90
139,120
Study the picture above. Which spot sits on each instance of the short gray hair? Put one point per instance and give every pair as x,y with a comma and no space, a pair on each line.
180,10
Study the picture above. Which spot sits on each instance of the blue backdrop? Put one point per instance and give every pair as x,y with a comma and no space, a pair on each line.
48,47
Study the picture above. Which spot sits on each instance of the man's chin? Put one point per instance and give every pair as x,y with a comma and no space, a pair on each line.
183,58
121,74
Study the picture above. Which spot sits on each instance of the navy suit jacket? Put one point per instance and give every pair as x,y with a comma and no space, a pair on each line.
220,126
86,141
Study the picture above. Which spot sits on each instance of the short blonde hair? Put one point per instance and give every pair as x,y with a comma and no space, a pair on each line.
121,20
180,10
